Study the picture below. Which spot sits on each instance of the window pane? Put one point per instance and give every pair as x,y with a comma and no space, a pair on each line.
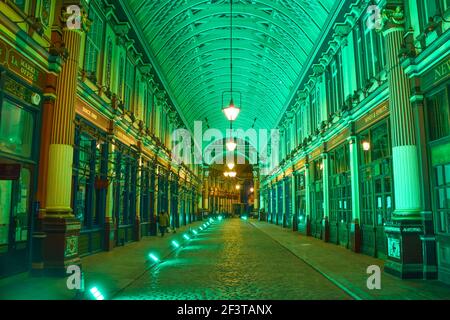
16,130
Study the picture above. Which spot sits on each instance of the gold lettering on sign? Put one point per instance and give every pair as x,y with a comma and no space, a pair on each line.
442,70
90,113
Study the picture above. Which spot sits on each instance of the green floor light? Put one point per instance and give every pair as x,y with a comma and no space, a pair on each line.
195,232
220,218
175,244
186,237
97,294
153,257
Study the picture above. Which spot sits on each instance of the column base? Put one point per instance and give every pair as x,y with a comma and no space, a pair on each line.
109,234
404,249
355,237
137,229
308,226
60,246
325,233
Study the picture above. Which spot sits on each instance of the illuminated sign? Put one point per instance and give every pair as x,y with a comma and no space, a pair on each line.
23,67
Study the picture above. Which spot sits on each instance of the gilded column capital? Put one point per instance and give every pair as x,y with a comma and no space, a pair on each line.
391,19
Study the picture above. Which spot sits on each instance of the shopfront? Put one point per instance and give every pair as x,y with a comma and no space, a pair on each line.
274,204
287,222
316,197
20,121
340,195
90,184
375,185
436,86
147,184
300,183
125,189
174,196
280,200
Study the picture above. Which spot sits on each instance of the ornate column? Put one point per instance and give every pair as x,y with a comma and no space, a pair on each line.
293,203
355,231
326,198
137,219
59,224
109,214
403,242
308,198
205,189
256,203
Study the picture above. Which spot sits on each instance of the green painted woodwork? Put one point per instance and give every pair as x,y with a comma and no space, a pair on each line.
272,40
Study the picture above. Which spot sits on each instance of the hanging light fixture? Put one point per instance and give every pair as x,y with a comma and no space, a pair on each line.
232,174
231,111
230,165
231,145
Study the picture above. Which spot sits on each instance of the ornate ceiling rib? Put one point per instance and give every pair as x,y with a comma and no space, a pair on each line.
272,41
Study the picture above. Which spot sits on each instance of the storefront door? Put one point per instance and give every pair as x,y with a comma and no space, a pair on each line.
15,215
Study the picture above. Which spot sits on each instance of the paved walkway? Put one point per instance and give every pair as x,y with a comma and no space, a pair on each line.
233,261
109,271
348,269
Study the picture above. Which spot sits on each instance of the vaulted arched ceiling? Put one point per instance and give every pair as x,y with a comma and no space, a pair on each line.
272,40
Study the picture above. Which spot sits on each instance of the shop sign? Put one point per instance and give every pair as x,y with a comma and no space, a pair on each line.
14,61
21,92
372,117
437,74
394,248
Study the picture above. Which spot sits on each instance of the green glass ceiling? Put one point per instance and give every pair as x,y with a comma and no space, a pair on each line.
272,39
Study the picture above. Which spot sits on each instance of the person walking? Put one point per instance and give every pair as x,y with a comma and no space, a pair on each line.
163,220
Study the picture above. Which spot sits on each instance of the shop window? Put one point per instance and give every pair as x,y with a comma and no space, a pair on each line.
21,4
429,9
90,158
340,185
376,190
16,130
108,73
121,76
94,42
438,115
129,84
442,194
126,184
359,55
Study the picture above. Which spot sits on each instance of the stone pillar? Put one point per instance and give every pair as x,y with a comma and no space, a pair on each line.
355,231
403,241
293,203
59,224
308,199
109,214
284,195
256,204
137,220
326,198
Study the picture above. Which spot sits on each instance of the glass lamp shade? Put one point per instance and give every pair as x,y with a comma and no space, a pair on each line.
231,112
251,189
230,165
231,145
232,174
366,145
238,187
226,174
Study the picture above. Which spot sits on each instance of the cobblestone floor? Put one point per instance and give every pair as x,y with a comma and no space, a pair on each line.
232,260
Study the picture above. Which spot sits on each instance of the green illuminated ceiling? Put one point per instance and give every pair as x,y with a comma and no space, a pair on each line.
272,40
